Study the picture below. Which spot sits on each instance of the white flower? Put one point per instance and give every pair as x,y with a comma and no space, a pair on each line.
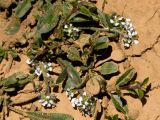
48,97
44,103
48,75
67,93
134,33
136,42
86,103
120,18
65,26
28,61
73,100
70,25
51,102
84,93
83,106
69,98
123,23
49,105
49,64
38,71
126,45
80,99
128,20
76,29
116,24
50,69
71,95
111,21
41,100
73,105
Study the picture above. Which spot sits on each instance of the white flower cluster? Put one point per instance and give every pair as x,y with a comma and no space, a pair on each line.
84,103
38,70
48,101
71,31
130,32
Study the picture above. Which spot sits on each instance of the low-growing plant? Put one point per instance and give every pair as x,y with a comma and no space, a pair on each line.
86,45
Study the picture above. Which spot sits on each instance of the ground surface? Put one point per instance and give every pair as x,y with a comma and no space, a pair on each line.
144,57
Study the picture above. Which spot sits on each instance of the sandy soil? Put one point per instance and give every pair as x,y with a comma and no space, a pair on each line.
144,57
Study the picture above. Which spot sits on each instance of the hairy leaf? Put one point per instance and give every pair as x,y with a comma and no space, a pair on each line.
140,93
73,54
13,26
73,79
102,18
3,54
62,76
145,82
23,8
48,116
126,77
101,43
109,68
118,103
50,19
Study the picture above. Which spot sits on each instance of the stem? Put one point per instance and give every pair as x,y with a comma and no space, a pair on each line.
101,62
19,102
18,111
101,29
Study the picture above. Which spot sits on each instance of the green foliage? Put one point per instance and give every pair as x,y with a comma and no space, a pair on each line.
15,81
13,26
73,54
73,78
48,116
23,8
101,43
75,36
118,103
3,54
109,68
126,77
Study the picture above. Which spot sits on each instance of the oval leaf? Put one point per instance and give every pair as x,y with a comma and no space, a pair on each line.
13,26
101,43
23,8
118,103
73,54
126,77
109,68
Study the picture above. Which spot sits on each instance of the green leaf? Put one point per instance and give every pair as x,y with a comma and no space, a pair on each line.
3,54
145,81
24,81
10,81
13,26
14,54
118,103
140,93
73,54
125,77
73,79
132,92
50,19
102,18
109,68
85,11
101,43
48,116
62,76
115,117
23,8
12,89
74,76
67,9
